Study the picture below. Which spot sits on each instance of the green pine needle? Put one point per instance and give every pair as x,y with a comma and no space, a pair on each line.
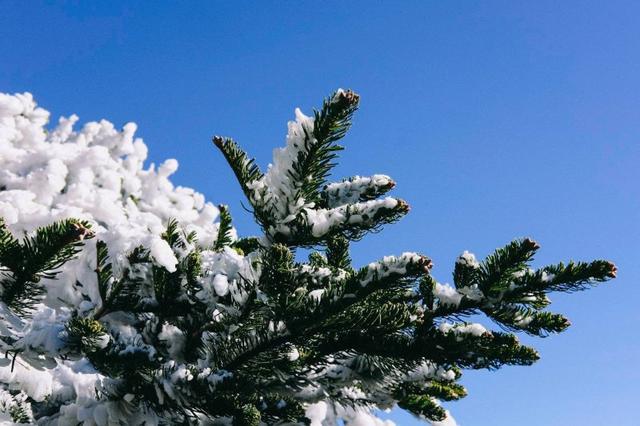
224,229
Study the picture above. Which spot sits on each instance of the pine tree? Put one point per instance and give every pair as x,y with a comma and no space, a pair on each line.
241,332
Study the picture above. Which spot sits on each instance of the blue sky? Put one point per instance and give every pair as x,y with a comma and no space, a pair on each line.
496,119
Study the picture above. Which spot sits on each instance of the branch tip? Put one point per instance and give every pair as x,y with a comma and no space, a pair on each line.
218,141
530,244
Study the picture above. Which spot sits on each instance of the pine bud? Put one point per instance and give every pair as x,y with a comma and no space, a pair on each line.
425,263
218,141
613,270
78,232
530,244
389,186
403,206
346,98
87,334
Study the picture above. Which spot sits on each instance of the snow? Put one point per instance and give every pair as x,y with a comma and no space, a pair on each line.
473,329
447,295
472,292
316,295
276,191
163,255
174,339
322,221
392,265
547,277
468,259
9,401
351,190
220,284
321,414
293,354
96,173
523,320
316,413
364,418
224,273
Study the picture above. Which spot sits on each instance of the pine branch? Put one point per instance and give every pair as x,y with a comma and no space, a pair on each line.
9,248
277,278
351,221
338,252
534,322
253,339
467,271
86,335
172,234
422,405
224,229
568,278
247,245
331,123
371,318
104,269
120,294
17,404
486,351
243,167
39,256
355,189
446,391
498,267
317,260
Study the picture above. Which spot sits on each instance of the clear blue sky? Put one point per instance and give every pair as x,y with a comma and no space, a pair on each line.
497,120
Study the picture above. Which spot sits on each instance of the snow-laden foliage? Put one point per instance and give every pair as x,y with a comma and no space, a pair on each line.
123,302
95,174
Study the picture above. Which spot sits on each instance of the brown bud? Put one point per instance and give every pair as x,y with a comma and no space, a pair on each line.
218,141
613,271
530,244
347,97
403,206
426,263
79,232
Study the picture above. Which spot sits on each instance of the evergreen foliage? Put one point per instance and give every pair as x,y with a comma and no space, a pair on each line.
239,332
24,263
